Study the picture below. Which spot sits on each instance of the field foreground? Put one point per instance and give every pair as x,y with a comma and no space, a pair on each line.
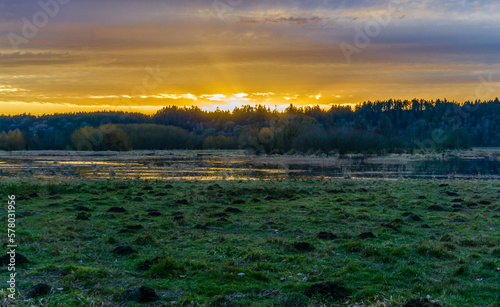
255,243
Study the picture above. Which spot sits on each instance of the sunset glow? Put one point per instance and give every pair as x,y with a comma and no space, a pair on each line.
140,56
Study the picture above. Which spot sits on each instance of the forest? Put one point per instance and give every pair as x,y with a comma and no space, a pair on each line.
391,126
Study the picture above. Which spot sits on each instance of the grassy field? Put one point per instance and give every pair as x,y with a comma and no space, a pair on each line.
255,243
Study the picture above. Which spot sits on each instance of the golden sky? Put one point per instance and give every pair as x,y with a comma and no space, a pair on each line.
131,55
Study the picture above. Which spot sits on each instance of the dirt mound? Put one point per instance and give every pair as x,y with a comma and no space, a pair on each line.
413,218
335,290
233,210
83,216
435,208
154,213
213,187
201,227
421,303
147,264
302,246
204,209
390,226
336,191
181,202
367,235
117,210
231,193
131,228
20,259
123,251
82,208
141,294
326,236
221,214
38,290
33,195
134,227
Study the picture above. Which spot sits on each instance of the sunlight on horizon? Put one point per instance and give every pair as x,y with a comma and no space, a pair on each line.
126,55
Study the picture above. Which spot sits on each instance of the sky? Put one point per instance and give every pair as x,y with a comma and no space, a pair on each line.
142,55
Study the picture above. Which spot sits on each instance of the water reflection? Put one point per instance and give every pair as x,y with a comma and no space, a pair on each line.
190,165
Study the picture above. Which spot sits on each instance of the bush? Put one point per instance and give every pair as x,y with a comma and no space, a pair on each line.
219,142
107,137
13,140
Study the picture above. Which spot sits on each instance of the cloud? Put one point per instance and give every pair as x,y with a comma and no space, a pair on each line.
297,20
15,59
215,97
97,52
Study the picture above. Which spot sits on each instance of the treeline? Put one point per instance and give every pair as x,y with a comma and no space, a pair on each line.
370,127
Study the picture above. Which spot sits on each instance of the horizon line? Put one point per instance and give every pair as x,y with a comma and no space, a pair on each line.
277,108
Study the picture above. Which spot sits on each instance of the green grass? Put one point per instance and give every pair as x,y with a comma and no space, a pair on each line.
451,255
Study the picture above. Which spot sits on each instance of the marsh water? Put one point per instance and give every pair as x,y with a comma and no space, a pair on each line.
237,165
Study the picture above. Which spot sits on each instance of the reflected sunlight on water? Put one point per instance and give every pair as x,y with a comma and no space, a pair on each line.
192,165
